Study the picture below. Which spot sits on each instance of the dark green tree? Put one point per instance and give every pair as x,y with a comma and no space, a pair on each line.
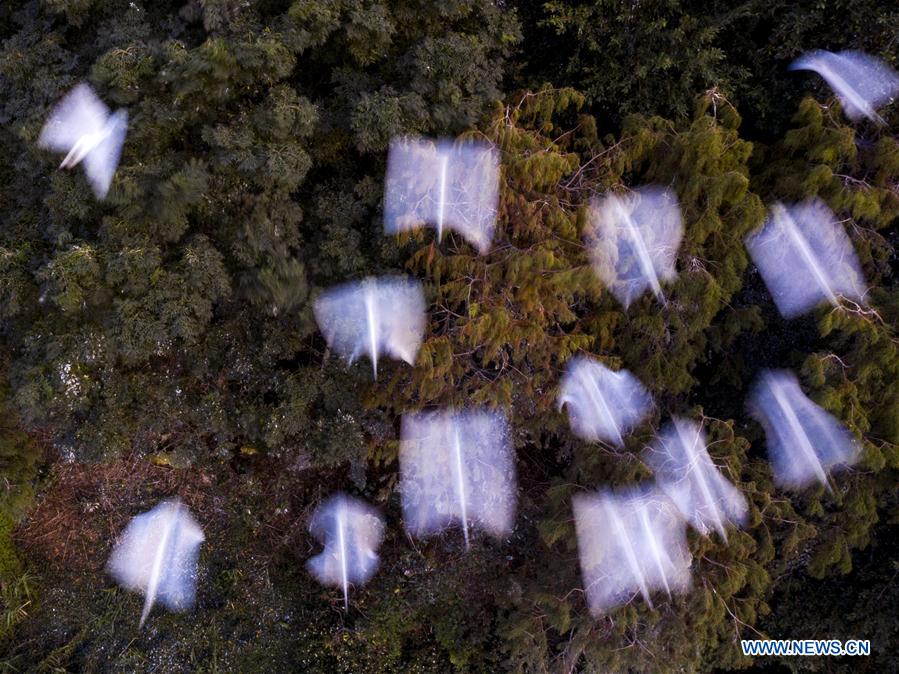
655,57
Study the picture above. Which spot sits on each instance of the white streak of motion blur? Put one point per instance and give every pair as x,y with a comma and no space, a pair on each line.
804,441
602,404
691,450
441,199
630,541
460,483
351,532
457,467
341,536
370,312
640,246
788,224
795,429
157,555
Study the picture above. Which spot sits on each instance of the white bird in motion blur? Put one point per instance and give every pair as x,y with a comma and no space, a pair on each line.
450,185
82,126
351,531
805,443
863,83
633,241
628,542
373,316
679,457
157,555
457,467
805,257
602,404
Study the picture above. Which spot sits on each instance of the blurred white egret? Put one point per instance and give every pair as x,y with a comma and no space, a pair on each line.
82,126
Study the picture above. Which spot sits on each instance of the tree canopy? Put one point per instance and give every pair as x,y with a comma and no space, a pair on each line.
162,342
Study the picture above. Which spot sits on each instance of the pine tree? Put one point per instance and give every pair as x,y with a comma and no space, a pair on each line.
175,316
173,320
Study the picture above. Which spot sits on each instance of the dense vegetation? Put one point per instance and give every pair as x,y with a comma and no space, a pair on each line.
162,341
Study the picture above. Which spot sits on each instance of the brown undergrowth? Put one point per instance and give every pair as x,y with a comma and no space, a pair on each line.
82,508
252,587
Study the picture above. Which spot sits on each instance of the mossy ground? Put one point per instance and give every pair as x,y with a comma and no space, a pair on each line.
252,587
258,610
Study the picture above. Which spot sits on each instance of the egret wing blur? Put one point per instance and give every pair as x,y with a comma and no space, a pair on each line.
805,257
863,83
378,315
457,467
630,542
602,404
633,241
157,556
444,184
351,531
805,442
683,469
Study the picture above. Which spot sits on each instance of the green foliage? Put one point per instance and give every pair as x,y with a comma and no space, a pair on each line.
506,323
674,45
172,314
17,587
843,608
10,566
173,320
656,56
17,595
19,456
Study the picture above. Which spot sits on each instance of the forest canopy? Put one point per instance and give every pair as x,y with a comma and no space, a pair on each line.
162,341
